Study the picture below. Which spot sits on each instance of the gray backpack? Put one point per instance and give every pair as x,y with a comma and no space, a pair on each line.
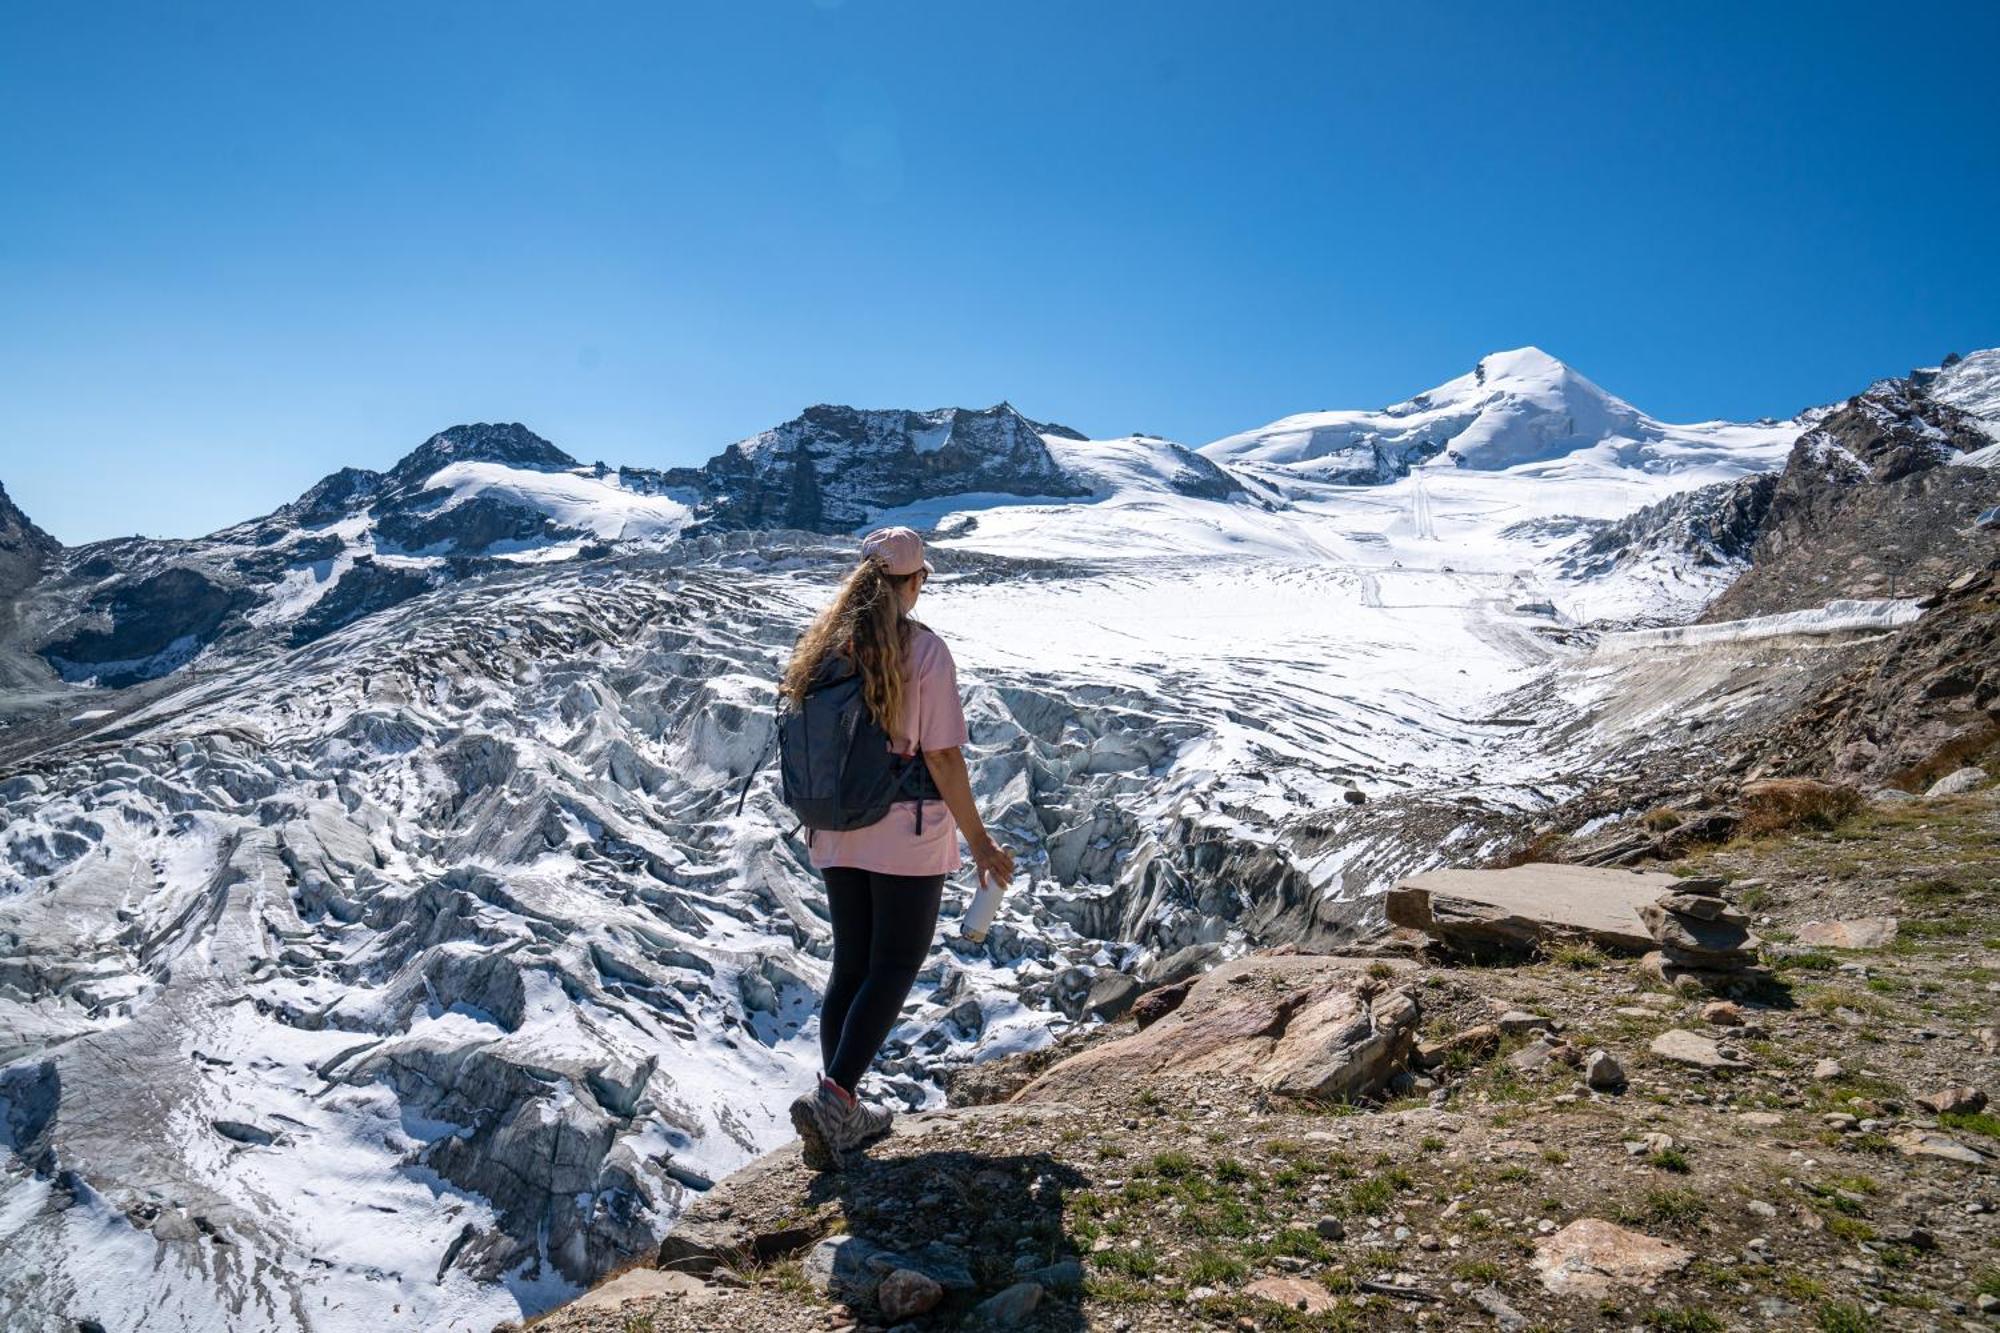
836,770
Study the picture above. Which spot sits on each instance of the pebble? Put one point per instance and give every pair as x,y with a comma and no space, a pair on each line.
1826,1069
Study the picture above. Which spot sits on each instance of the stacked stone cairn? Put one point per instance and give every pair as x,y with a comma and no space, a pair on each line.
1706,947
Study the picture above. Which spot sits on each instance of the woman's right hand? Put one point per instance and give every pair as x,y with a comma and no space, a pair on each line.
992,859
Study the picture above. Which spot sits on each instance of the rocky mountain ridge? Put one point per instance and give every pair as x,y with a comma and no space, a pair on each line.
450,888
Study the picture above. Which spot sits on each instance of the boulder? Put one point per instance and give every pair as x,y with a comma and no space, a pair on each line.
1590,1256
1009,1306
1872,932
1954,1101
1956,782
839,1268
1294,1025
1110,996
1603,1072
1521,908
906,1294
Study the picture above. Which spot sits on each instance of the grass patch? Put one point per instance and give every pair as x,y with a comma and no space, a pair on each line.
1577,955
1972,1122
1841,1317
1213,1268
1682,1321
1673,1207
1172,1164
1669,1159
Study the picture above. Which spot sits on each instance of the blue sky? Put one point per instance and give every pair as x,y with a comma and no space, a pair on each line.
243,245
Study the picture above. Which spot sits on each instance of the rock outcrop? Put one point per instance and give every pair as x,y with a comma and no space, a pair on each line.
1523,908
1293,1026
1870,504
831,467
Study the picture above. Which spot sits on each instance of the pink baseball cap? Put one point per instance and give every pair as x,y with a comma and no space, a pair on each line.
900,550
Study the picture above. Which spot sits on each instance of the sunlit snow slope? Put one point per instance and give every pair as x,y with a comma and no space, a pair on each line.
406,967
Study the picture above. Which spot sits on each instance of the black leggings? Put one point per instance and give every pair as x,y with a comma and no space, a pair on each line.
882,926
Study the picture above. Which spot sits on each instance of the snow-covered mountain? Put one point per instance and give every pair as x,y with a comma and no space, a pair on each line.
379,944
1518,409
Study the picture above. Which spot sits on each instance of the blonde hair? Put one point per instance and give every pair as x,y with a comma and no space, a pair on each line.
865,621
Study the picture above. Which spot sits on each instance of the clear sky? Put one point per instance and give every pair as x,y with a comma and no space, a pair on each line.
242,245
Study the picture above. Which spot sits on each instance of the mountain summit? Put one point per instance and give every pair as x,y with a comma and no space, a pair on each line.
1516,408
831,468
512,444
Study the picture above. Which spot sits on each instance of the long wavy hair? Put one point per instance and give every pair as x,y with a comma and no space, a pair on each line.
866,621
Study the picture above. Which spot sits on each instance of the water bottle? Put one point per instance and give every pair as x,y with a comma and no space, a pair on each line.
980,912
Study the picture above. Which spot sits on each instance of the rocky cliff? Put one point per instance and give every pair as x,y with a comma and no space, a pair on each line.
831,468
1878,500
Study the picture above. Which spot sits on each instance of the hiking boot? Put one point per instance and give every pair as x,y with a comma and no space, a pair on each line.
820,1117
867,1123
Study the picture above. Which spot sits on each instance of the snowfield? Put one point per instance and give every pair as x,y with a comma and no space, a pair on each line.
413,975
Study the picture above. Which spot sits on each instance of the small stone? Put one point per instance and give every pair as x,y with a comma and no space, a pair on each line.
1295,1293
1762,1119
1827,1069
1603,1072
1989,1303
1010,1305
1723,1013
1518,1021
906,1293
1839,1120
1762,1209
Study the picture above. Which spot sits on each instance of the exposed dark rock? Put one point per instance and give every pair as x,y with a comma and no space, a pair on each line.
1868,505
155,625
363,590
827,469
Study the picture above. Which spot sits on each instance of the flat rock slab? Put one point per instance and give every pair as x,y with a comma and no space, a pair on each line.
1868,932
1691,1048
1590,1256
1297,1025
1516,909
636,1284
1923,1143
1297,1293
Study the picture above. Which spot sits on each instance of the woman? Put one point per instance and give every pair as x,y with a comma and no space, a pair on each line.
883,881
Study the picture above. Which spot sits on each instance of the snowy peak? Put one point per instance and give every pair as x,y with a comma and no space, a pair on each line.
511,444
1971,384
1515,409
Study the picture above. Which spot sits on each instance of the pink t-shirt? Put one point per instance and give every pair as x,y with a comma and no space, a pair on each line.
933,718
